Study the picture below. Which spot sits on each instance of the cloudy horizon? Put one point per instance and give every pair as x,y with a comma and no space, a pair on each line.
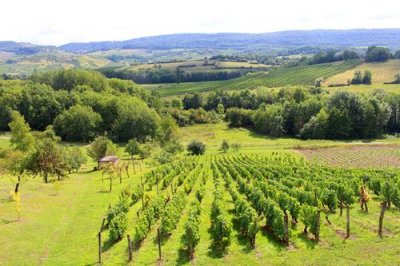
59,22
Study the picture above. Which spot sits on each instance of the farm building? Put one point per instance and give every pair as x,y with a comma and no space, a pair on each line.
108,160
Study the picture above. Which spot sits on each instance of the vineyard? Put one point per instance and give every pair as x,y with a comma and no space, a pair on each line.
231,208
305,75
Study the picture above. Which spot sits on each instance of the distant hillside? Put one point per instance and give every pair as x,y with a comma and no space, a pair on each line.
242,41
22,48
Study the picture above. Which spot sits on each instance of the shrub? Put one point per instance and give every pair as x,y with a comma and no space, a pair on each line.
196,148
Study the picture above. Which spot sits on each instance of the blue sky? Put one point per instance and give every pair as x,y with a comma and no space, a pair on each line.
57,22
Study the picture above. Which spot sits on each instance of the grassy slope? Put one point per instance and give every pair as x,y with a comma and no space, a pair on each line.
56,229
280,77
61,229
213,135
381,72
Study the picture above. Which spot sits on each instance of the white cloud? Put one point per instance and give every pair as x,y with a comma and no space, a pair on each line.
62,21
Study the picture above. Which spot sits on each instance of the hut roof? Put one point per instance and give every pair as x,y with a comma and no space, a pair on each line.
108,159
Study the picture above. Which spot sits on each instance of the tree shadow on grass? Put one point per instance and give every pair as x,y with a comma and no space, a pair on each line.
278,245
183,257
4,221
242,239
310,243
109,244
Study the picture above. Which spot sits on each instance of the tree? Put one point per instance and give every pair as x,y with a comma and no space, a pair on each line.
224,146
177,103
101,146
367,78
339,124
132,148
74,159
196,147
220,109
167,129
377,54
269,120
318,82
236,146
316,127
357,78
21,137
48,159
135,120
79,123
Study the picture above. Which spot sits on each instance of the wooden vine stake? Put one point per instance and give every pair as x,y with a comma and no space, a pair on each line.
383,209
100,249
159,243
286,223
348,221
130,249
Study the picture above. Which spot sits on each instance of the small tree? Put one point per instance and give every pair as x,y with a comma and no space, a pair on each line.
318,82
74,158
225,146
21,137
132,148
47,160
100,147
357,78
196,148
367,78
236,146
220,109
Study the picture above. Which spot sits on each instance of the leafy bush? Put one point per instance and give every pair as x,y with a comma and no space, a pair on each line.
196,147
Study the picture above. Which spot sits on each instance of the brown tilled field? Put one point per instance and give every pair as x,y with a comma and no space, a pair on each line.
360,156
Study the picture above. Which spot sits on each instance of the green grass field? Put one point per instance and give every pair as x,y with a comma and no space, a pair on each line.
277,78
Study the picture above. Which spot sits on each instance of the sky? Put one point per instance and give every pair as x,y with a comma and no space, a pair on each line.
56,22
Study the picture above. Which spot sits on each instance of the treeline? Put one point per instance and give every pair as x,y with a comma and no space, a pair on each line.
165,75
306,113
81,104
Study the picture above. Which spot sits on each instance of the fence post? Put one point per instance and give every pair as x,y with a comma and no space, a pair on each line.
129,248
159,243
100,250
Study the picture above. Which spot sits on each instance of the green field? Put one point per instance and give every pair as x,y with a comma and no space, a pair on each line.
277,78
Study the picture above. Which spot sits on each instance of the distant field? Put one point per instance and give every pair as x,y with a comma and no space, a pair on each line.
381,73
277,78
197,65
363,156
214,134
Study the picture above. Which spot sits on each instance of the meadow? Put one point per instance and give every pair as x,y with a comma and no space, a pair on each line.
381,73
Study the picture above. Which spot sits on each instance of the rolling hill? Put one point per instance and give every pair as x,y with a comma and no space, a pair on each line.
242,41
305,75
